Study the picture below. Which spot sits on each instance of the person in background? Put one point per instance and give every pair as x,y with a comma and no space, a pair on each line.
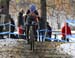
20,18
49,33
1,28
20,23
12,28
66,30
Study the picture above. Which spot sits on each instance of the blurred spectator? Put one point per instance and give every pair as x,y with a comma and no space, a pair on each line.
20,23
1,27
12,28
65,31
20,18
49,33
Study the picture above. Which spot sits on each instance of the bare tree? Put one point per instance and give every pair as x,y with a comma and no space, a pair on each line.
43,13
4,5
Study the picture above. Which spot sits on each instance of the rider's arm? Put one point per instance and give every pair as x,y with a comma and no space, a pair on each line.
37,15
37,18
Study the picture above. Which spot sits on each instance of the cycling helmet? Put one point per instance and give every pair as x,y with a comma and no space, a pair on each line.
32,8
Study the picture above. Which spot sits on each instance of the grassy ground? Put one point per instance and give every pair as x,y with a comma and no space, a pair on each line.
49,50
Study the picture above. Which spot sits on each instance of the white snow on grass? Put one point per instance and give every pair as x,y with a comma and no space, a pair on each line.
8,42
67,48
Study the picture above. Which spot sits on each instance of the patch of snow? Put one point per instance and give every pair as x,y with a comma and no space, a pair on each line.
8,42
67,48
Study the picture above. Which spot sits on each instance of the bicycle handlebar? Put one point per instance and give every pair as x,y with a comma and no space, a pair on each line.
32,23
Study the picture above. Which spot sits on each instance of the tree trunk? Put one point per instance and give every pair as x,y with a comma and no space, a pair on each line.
43,13
4,6
43,20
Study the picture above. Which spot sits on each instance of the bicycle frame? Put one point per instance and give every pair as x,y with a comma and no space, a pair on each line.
32,38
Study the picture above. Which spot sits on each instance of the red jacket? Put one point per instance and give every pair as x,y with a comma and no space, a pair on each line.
20,30
66,31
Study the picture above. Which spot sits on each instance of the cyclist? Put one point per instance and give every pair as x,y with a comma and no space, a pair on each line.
31,16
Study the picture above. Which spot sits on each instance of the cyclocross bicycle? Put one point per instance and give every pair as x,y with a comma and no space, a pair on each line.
31,34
